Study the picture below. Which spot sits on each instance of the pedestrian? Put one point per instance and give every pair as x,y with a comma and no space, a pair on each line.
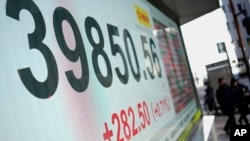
197,79
210,104
240,91
227,102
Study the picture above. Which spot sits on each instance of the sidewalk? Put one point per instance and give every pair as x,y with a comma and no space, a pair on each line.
216,133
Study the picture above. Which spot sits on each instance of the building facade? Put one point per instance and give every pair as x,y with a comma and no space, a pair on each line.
242,10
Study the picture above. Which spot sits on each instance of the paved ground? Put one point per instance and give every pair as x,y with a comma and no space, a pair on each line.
217,133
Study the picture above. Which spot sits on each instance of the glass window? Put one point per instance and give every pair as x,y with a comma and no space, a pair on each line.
228,26
238,43
248,41
229,8
223,8
234,26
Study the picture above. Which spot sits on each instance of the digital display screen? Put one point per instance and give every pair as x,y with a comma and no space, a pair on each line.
84,70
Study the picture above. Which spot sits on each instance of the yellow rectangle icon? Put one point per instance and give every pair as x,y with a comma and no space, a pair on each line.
142,16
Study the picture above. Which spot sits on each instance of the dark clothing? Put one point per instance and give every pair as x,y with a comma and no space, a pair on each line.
209,99
227,103
240,94
226,99
209,104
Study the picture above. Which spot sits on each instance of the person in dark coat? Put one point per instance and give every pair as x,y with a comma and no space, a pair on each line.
226,100
210,104
240,91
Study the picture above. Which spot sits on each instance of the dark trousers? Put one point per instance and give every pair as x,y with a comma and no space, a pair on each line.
230,121
244,111
243,117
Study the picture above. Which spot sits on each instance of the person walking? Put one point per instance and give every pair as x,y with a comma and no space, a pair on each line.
210,104
226,100
240,91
